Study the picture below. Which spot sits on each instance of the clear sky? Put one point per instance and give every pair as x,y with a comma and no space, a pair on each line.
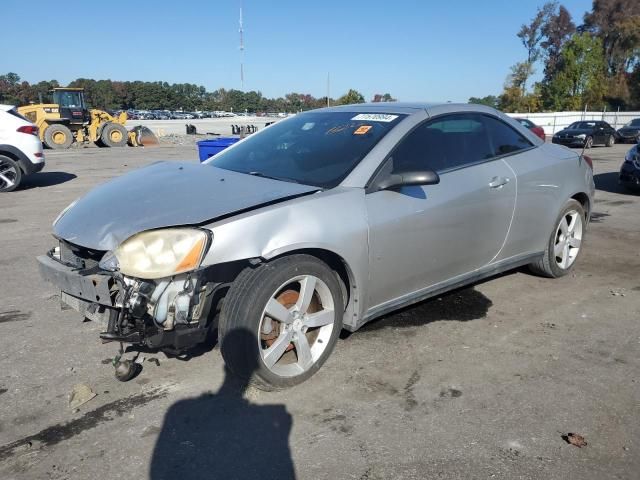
415,50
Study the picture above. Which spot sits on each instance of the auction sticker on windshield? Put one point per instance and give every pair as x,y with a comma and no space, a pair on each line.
362,129
375,117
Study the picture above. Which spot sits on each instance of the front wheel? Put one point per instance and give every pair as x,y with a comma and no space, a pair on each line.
564,244
280,321
588,142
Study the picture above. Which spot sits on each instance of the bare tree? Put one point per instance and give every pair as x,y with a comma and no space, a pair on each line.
557,30
531,35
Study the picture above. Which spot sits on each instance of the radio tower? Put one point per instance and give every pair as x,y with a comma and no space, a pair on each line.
241,53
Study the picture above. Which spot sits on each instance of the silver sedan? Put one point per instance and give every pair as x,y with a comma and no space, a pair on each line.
318,223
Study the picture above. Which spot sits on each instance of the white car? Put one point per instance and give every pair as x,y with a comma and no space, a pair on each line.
20,148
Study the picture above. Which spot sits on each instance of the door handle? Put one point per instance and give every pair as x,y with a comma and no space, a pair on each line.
497,182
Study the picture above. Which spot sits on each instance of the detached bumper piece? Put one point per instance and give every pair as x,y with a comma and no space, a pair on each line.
90,288
169,313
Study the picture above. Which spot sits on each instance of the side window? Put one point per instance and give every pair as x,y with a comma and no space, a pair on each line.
444,143
504,139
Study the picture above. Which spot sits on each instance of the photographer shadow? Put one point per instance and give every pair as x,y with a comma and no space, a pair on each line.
224,436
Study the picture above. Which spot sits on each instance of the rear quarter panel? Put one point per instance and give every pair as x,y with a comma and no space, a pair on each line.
547,176
28,144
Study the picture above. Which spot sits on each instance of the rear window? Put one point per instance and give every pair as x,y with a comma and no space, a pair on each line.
526,123
458,125
15,113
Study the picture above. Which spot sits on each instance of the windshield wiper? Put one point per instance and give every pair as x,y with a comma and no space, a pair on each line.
282,179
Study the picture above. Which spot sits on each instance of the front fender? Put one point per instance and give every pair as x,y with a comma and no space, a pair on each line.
334,221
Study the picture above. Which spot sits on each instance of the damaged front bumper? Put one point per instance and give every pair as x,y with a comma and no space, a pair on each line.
92,295
167,313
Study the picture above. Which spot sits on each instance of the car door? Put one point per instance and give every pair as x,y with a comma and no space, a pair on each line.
609,131
600,133
422,236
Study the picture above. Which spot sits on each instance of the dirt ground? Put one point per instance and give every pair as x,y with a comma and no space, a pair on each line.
479,383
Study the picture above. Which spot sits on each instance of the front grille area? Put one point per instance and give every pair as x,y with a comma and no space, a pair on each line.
79,257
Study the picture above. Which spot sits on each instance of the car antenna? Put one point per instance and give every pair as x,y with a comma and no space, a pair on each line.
584,147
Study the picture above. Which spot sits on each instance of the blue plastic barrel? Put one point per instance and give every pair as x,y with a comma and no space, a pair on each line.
209,148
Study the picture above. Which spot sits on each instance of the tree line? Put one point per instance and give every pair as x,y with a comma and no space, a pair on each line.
595,65
137,95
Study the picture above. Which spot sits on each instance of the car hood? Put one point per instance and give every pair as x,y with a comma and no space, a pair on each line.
629,129
165,194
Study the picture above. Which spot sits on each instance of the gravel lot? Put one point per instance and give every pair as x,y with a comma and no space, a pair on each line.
480,383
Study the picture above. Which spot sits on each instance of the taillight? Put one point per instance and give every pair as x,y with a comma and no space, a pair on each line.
30,129
588,160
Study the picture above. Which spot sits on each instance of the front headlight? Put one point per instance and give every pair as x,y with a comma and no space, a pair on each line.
162,253
632,156
582,135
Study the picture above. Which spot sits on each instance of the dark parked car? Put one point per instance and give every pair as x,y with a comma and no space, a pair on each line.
586,133
539,131
630,170
630,132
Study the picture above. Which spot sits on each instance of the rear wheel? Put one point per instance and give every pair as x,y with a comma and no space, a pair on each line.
281,320
113,135
10,174
610,141
58,137
564,244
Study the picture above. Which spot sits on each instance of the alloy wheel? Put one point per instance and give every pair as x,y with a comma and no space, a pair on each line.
589,142
296,326
8,175
568,239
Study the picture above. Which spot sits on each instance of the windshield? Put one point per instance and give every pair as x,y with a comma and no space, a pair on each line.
68,99
634,123
582,125
314,148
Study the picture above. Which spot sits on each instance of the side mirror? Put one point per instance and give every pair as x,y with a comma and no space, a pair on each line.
410,179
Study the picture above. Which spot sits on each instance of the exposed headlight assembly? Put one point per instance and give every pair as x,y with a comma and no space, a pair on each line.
161,253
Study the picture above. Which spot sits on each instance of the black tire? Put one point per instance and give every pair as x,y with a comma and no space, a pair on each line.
10,174
588,142
58,137
610,141
113,135
547,265
242,311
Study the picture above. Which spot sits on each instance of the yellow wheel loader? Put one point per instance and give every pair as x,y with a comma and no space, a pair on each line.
67,119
